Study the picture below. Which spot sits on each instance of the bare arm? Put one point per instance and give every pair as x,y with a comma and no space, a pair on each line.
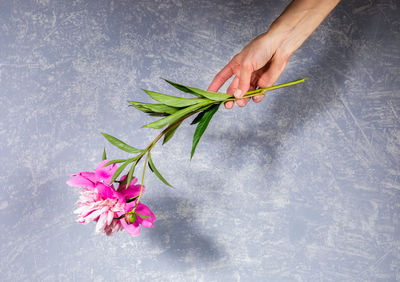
263,60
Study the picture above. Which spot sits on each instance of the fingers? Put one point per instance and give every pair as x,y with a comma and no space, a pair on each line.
231,90
221,78
258,99
244,83
271,74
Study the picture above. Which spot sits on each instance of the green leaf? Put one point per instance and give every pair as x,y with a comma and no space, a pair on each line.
132,199
120,169
171,133
202,126
182,88
211,95
130,175
104,154
114,161
143,216
158,114
176,116
198,117
199,92
156,172
172,100
154,108
121,145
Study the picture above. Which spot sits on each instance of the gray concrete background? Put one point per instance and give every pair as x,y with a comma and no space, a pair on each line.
302,187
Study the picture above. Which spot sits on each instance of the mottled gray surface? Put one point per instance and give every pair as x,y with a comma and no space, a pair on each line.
302,187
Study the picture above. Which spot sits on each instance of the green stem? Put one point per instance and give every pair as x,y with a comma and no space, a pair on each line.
153,143
141,185
148,149
262,91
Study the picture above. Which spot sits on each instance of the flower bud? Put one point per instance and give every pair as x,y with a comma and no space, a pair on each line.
130,218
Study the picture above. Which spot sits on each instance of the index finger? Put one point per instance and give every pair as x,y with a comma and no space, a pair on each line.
219,80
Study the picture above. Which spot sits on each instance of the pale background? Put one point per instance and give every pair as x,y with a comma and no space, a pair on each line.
302,187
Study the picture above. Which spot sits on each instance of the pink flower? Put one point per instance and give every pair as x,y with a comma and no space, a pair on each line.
100,202
95,205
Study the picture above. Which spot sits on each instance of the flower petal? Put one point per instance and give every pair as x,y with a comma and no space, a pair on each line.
145,211
130,228
95,215
105,173
110,217
105,191
132,191
101,223
89,175
80,181
133,181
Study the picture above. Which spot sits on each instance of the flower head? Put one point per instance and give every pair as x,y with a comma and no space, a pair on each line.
101,203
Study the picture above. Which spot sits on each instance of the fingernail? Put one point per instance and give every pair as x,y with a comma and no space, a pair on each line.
237,93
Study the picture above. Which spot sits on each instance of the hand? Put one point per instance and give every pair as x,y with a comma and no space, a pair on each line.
259,64
263,60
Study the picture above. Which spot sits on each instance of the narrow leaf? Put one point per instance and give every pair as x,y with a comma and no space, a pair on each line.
176,116
202,126
121,145
158,114
104,154
172,100
143,216
199,92
156,172
153,108
198,117
132,199
171,133
130,175
211,95
182,88
120,169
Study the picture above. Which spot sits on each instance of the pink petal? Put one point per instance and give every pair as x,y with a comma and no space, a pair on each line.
131,185
94,215
110,217
130,228
132,191
84,211
101,223
144,210
114,227
105,191
89,175
80,181
129,206
105,173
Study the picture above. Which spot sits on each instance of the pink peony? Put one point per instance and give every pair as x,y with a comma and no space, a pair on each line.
100,202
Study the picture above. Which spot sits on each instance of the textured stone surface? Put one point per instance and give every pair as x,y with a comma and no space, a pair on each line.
302,187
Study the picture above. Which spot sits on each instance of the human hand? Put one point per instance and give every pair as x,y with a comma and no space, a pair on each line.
263,60
259,64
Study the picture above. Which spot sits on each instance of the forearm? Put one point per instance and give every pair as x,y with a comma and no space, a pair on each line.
297,22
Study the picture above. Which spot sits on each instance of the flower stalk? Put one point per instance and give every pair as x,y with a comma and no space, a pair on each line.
123,206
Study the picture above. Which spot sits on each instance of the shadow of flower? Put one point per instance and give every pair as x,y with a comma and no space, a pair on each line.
177,236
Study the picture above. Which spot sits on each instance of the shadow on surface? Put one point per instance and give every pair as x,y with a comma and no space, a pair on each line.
177,236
